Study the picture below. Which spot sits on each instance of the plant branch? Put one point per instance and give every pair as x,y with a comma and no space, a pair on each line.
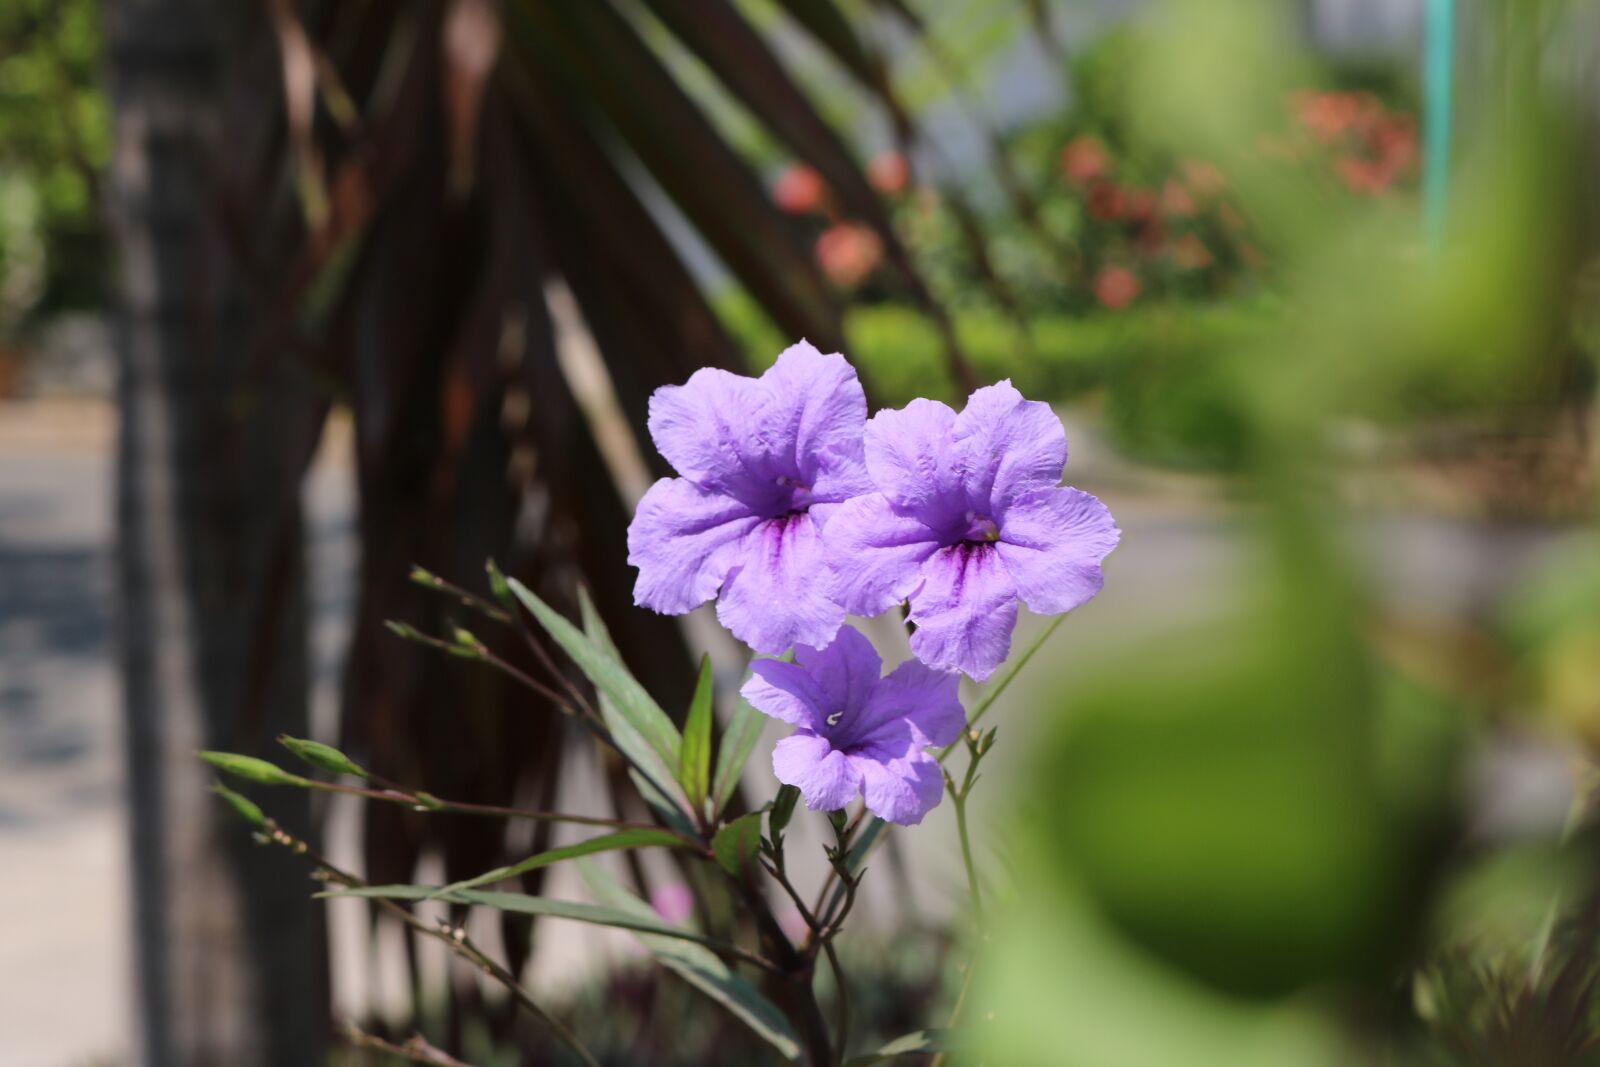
452,937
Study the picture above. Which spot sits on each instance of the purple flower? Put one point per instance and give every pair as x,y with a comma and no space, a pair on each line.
764,460
968,518
858,732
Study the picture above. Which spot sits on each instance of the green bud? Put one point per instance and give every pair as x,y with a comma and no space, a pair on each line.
499,588
783,808
245,807
320,755
251,769
422,576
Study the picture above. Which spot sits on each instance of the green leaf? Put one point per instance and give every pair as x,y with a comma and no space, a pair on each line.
610,677
631,741
700,968
245,807
324,756
604,843
694,765
921,1041
738,741
251,769
738,843
783,808
646,922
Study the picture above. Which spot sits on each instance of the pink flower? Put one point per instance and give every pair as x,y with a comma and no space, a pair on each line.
889,173
1203,177
848,253
1176,200
1083,159
674,902
799,189
1116,287
1140,204
1105,202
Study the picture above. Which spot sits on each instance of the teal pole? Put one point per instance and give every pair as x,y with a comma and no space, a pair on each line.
1437,86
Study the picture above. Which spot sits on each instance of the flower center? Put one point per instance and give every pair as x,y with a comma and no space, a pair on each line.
833,720
980,529
794,496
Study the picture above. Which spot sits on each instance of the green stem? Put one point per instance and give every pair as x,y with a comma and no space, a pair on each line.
960,802
993,692
453,938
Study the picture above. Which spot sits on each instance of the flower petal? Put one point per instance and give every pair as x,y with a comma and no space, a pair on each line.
1006,446
1052,542
910,459
845,672
915,694
773,599
704,429
787,692
964,611
827,779
874,554
684,539
901,790
816,407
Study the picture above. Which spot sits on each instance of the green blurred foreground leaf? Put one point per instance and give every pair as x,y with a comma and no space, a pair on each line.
920,1041
622,839
700,968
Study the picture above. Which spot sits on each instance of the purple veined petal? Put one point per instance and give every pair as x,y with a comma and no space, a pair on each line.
703,429
786,692
816,407
874,554
964,611
684,540
773,598
917,694
910,459
1006,446
1052,542
827,779
901,790
846,672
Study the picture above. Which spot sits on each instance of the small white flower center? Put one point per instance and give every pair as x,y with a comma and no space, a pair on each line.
833,720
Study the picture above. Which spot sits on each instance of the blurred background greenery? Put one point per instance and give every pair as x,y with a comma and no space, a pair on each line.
1284,828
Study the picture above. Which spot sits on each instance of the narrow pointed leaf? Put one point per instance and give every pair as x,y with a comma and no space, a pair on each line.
738,843
738,741
921,1041
700,968
622,839
630,740
645,922
609,676
694,765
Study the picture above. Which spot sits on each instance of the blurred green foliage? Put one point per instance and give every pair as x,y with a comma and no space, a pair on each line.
54,141
1248,842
